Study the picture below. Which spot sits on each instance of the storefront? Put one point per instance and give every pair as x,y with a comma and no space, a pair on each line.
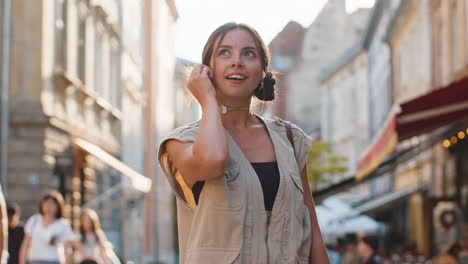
423,145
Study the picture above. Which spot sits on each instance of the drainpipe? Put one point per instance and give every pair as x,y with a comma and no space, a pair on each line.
5,109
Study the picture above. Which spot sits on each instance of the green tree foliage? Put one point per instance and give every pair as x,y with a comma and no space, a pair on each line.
322,162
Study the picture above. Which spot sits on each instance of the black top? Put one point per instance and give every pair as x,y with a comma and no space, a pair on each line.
15,238
269,176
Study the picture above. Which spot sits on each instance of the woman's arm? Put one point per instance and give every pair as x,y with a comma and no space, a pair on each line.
68,252
207,157
24,249
103,252
318,252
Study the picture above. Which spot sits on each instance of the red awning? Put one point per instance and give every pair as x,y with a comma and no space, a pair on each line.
384,144
433,110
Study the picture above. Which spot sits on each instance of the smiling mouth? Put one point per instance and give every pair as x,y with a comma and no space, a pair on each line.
236,77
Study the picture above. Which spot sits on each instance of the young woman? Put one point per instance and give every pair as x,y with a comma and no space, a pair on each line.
92,244
47,234
242,188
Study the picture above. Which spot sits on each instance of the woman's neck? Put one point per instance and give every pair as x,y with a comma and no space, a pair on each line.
238,118
47,219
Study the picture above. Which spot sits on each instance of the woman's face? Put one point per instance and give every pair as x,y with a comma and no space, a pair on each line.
364,249
87,223
236,64
49,208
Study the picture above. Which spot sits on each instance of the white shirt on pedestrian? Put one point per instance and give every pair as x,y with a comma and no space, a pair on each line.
92,246
40,248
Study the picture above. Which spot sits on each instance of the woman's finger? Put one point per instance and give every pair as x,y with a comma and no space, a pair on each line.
196,70
206,72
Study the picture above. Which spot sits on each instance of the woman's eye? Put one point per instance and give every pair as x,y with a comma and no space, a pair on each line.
223,52
250,53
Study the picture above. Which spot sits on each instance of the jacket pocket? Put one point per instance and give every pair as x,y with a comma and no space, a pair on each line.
294,219
298,197
226,193
214,255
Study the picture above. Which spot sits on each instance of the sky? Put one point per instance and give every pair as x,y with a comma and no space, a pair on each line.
198,18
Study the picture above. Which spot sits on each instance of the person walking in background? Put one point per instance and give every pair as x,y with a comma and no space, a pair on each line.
350,255
48,235
15,232
92,243
463,255
333,254
240,179
450,256
367,248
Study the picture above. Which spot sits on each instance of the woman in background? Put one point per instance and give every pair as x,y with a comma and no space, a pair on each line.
92,244
48,235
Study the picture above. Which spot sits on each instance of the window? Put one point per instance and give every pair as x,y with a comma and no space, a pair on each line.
437,50
115,88
455,37
98,67
60,33
81,54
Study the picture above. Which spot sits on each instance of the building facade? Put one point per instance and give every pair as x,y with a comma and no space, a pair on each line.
414,162
285,51
331,33
162,70
86,77
345,112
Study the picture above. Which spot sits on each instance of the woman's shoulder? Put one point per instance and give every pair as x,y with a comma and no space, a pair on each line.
34,218
280,124
186,132
63,221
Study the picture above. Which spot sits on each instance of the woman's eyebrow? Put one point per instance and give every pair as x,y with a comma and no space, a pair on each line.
230,47
249,48
225,47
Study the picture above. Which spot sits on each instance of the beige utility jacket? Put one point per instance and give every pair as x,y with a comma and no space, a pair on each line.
230,224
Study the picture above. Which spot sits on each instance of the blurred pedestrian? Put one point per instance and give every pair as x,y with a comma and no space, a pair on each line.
15,232
227,168
368,248
48,235
450,256
463,255
333,254
397,254
350,255
412,252
92,243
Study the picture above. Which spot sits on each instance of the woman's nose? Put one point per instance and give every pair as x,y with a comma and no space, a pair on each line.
236,61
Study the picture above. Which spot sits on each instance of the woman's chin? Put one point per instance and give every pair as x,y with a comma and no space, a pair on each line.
235,93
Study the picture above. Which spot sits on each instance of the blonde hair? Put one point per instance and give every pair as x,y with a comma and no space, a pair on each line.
95,225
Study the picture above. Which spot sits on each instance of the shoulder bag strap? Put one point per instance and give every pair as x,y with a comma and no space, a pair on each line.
289,133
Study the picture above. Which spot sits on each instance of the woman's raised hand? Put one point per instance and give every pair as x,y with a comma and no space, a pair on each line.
200,83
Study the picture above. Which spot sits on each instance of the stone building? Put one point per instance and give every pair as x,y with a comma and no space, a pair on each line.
345,109
285,51
81,113
331,33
